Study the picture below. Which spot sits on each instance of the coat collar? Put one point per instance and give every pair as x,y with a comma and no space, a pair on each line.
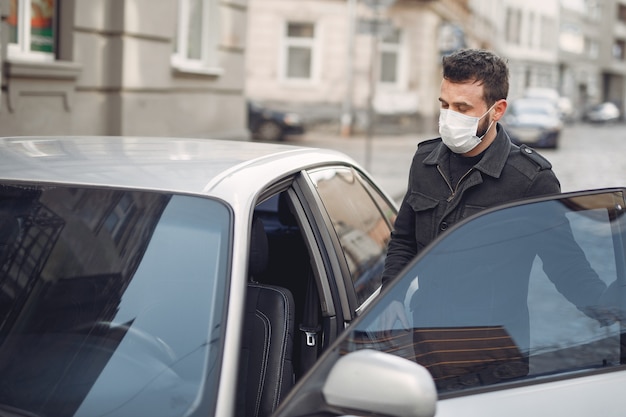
491,163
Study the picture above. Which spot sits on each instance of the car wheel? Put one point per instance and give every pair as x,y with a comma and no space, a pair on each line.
269,131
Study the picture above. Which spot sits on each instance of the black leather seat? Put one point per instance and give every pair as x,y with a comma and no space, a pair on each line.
266,369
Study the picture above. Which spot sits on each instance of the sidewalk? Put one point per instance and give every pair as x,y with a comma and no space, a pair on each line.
386,157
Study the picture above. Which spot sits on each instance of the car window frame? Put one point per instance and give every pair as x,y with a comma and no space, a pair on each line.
323,237
348,297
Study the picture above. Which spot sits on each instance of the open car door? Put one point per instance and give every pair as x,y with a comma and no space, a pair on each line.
516,311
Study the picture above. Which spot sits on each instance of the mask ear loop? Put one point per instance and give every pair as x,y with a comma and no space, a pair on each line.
491,123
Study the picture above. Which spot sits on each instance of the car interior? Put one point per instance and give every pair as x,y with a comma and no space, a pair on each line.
282,334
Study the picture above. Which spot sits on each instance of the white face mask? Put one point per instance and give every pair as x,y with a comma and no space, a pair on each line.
458,131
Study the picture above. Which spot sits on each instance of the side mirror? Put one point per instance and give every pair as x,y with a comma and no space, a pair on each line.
380,383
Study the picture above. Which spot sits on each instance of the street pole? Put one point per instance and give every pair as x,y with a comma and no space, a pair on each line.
377,26
370,100
347,114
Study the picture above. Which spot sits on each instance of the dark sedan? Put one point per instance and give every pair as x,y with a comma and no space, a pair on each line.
271,124
533,122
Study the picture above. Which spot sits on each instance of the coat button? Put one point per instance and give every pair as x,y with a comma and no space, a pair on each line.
443,226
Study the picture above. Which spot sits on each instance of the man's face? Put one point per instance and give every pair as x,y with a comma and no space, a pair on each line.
465,98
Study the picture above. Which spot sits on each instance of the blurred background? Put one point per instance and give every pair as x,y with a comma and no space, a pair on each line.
267,69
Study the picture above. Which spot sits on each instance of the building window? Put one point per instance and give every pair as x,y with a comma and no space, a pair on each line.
531,31
299,51
390,47
32,26
513,26
619,46
571,38
621,13
549,33
195,45
593,48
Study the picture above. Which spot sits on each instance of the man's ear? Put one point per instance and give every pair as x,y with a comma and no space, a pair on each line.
500,109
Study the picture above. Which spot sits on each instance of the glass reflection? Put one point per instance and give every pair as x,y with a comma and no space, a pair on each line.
524,292
362,228
109,300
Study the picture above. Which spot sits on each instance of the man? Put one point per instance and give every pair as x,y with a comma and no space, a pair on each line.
472,166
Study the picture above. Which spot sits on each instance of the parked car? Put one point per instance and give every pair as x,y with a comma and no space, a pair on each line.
489,330
563,104
271,124
534,122
606,112
169,277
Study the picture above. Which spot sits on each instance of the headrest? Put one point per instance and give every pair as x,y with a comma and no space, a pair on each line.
259,251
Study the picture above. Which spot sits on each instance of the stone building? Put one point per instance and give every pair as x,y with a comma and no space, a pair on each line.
123,67
356,60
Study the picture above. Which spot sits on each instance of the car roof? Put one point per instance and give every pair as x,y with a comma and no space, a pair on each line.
542,92
185,165
527,102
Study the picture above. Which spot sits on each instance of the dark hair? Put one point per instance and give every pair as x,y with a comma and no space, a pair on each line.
477,65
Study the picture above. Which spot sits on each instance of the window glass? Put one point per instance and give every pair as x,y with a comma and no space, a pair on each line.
102,316
299,62
299,43
388,67
513,25
300,30
194,34
31,26
362,229
195,44
390,47
527,292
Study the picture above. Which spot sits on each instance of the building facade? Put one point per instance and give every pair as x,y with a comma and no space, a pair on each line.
612,59
123,67
334,59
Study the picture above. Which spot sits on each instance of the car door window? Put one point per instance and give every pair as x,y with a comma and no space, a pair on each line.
361,217
525,293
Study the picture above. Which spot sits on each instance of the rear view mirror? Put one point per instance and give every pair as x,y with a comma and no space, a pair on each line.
380,383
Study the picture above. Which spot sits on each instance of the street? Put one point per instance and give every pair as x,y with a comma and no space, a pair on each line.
589,156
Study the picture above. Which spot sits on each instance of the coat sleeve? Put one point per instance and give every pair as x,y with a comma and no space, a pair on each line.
402,245
564,261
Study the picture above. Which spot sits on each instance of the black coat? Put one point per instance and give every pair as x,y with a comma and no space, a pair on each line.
472,282
505,173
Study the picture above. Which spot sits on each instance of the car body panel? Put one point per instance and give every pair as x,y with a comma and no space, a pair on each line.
589,395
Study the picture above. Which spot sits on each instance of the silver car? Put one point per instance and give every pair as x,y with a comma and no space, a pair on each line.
176,277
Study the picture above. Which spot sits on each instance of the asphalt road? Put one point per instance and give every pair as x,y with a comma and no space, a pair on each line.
588,156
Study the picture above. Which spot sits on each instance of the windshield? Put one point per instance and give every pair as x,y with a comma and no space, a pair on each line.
110,301
525,292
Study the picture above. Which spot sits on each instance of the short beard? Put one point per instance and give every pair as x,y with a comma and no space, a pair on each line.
482,128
